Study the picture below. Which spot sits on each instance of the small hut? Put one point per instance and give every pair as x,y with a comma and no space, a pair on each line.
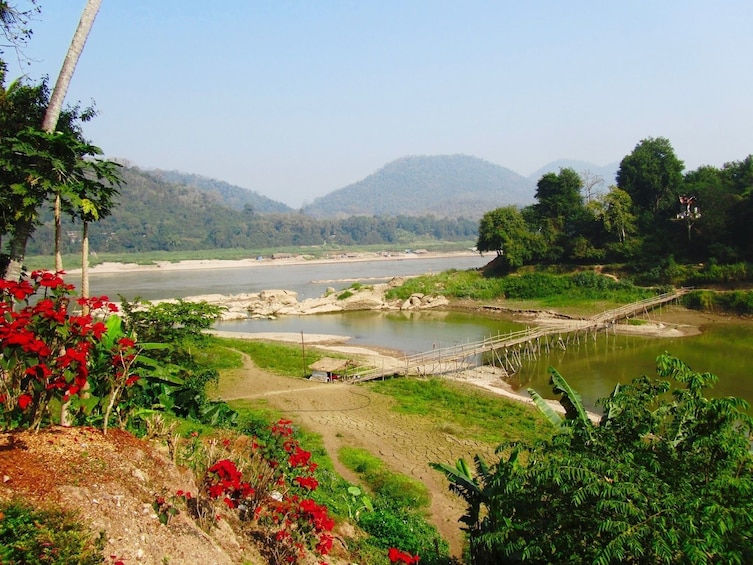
329,369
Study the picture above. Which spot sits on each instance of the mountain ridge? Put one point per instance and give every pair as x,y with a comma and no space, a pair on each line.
455,185
442,185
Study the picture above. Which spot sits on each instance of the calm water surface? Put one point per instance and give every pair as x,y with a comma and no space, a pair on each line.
308,280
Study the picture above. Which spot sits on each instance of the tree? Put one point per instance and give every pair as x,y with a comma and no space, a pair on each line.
559,214
49,123
505,232
90,199
652,176
590,182
661,479
558,195
615,210
58,95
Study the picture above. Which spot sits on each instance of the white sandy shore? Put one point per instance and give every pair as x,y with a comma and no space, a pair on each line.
200,264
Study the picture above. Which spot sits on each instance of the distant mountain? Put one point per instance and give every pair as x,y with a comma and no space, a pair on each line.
607,172
442,185
235,197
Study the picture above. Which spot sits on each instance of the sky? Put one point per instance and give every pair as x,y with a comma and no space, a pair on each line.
295,99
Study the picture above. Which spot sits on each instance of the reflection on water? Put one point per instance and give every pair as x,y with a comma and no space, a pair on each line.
595,367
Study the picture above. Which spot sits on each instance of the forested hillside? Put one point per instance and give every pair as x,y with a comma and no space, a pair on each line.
442,185
232,196
155,215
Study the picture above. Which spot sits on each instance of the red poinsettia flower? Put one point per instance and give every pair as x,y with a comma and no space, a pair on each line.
24,400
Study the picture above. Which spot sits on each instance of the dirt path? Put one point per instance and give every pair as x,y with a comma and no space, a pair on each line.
348,415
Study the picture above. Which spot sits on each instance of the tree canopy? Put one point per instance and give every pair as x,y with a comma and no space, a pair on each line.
666,476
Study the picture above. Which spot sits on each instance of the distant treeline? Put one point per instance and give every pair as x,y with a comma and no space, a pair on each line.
226,229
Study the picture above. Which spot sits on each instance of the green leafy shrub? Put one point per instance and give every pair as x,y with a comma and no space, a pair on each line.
663,478
51,536
392,527
737,301
713,273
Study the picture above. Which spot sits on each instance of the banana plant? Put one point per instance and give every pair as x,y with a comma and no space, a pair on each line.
468,487
576,417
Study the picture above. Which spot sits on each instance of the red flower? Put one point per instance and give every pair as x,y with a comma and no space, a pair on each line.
126,342
325,544
397,556
24,400
299,457
309,483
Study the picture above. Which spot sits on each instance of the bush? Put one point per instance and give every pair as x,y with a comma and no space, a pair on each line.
738,301
665,477
391,527
34,535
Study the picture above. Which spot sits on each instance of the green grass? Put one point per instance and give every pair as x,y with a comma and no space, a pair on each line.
464,412
283,359
542,289
218,356
401,490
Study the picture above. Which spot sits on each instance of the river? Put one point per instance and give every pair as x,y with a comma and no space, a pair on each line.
308,280
593,368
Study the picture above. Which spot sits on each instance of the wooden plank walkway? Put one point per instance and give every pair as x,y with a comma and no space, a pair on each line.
508,349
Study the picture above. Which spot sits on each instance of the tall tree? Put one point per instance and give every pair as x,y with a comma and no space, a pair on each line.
592,184
504,231
652,176
93,200
49,125
58,95
34,165
615,210
559,211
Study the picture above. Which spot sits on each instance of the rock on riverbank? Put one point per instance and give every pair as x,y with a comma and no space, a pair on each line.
277,302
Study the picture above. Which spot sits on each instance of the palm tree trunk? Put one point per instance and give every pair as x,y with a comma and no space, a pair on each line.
69,65
58,235
58,95
85,266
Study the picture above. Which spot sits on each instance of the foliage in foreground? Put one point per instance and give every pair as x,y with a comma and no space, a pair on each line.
48,351
36,535
661,479
396,518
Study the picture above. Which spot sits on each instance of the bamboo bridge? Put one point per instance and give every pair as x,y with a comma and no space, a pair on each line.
509,350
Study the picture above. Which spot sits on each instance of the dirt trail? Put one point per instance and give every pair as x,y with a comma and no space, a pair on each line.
348,415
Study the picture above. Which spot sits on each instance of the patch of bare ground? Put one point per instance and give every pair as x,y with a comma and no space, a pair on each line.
354,416
111,481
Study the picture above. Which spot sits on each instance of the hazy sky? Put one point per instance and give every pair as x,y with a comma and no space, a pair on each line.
296,99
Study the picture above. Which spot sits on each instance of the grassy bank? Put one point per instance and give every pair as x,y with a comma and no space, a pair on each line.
465,412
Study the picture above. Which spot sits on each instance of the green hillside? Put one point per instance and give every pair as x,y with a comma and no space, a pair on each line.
232,196
442,185
153,214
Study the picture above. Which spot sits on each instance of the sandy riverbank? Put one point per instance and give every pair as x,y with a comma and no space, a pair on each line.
201,264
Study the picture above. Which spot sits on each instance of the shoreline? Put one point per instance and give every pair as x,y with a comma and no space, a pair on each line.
203,264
